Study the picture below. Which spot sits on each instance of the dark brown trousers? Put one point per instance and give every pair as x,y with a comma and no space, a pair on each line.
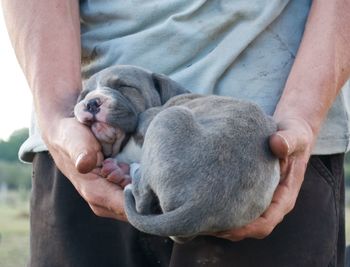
64,231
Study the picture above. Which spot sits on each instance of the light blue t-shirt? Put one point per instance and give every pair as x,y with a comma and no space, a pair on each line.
238,48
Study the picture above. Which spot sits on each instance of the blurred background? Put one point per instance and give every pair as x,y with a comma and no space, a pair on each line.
15,177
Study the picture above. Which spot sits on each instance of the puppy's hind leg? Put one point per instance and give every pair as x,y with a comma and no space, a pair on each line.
145,199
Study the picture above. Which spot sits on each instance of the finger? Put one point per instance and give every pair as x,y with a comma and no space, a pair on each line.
283,202
78,142
102,212
279,145
85,161
99,192
293,135
106,213
284,167
296,141
295,174
285,143
259,228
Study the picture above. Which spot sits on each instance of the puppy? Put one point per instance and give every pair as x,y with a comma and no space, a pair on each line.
112,101
205,163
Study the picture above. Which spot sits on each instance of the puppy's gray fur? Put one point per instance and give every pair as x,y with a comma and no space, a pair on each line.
205,160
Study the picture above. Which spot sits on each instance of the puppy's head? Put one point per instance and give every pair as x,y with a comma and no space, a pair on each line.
106,105
109,114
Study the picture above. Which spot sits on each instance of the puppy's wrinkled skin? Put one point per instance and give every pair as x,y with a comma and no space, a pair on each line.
205,163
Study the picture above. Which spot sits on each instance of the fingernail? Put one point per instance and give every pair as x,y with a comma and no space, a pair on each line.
285,140
79,158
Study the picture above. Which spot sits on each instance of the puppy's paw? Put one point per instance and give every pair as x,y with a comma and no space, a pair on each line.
115,172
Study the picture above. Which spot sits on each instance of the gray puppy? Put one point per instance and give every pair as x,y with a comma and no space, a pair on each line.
113,99
205,163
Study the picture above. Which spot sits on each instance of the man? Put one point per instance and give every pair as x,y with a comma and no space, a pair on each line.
191,42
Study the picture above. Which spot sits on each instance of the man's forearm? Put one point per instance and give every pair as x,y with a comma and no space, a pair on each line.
46,38
322,64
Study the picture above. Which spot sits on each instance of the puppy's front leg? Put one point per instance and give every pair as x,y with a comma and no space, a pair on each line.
118,173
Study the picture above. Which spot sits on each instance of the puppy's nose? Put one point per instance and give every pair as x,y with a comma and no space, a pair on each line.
93,106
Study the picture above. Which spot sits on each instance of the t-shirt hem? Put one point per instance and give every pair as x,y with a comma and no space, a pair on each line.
324,146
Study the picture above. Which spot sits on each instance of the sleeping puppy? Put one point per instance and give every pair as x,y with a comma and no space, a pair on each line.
112,101
205,163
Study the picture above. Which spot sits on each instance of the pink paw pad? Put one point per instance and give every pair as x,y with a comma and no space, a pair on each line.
116,172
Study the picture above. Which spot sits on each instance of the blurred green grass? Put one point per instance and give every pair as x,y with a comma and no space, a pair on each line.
14,229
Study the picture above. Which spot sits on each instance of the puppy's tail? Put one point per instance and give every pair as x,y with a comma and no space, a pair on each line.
173,223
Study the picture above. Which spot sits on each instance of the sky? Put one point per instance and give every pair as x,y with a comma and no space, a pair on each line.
15,96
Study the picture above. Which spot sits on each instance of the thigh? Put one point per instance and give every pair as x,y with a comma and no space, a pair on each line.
64,231
311,235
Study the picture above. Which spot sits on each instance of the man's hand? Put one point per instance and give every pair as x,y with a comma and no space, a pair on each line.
78,155
292,144
320,69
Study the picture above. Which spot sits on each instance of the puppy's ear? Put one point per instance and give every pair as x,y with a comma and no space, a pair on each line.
123,114
166,87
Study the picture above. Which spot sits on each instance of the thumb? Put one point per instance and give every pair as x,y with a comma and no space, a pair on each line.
292,137
87,161
83,148
280,145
